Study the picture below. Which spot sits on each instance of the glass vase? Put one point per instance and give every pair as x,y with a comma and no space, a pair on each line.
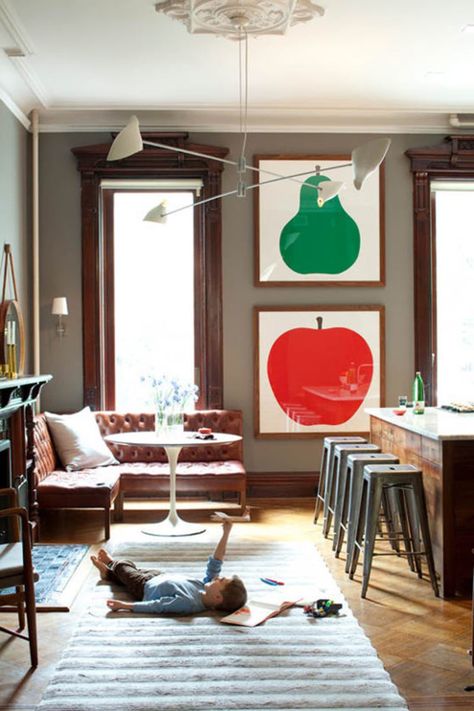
161,423
175,421
169,421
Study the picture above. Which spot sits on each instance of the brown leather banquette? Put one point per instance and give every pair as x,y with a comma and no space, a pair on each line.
141,471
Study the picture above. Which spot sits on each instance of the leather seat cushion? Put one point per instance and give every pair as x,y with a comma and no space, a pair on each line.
228,467
89,488
99,487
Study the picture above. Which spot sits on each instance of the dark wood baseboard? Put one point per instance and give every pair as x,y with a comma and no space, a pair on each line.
285,484
266,485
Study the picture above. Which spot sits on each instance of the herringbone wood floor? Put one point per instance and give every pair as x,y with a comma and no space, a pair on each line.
422,641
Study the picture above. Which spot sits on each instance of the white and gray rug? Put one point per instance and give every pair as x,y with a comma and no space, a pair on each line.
128,662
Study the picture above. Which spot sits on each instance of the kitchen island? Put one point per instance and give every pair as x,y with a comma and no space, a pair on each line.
441,444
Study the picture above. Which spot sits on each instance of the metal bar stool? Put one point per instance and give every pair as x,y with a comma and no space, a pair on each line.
392,477
352,494
341,456
326,462
330,495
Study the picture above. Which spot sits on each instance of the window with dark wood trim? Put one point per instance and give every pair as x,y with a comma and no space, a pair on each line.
453,160
97,261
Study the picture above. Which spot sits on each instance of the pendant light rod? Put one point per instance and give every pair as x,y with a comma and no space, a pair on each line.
336,188
235,163
365,159
129,141
188,152
243,92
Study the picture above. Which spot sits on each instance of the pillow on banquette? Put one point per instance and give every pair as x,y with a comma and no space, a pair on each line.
78,441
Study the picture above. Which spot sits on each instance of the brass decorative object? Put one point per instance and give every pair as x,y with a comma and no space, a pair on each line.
12,331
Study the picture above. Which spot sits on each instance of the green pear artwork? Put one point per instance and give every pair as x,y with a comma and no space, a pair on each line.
300,240
319,238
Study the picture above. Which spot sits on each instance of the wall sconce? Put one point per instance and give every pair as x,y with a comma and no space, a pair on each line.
59,309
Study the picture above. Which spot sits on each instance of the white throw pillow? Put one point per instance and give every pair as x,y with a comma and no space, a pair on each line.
78,441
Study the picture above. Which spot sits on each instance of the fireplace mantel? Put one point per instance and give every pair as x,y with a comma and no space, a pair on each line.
17,399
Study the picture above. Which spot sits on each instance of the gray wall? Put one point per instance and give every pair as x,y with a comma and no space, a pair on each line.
14,211
61,276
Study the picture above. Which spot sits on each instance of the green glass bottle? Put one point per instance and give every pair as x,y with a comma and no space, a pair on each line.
418,394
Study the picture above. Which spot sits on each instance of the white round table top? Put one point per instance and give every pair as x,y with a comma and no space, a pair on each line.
172,439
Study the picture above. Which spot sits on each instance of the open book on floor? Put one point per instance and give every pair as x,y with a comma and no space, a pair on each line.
257,611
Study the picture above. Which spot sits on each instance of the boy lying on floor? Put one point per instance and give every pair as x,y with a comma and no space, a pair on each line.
159,593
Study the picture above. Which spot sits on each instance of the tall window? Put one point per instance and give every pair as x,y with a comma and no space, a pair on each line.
152,294
454,241
443,222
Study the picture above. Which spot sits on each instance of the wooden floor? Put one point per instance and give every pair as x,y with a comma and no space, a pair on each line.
422,641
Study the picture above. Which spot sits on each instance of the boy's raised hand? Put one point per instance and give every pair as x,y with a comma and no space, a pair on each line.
221,516
227,526
227,522
220,549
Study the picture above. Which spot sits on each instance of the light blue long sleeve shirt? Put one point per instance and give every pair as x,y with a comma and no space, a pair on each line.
177,595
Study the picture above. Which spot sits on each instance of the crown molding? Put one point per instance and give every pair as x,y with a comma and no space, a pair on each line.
30,79
14,109
20,51
11,22
260,120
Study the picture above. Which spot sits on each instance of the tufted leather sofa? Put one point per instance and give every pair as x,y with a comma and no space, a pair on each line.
142,471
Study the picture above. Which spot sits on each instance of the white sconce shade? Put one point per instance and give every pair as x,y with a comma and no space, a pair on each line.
157,214
59,307
127,142
367,158
327,190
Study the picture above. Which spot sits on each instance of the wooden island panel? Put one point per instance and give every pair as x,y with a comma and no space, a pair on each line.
448,479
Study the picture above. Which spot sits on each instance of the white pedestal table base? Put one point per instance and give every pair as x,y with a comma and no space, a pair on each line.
173,525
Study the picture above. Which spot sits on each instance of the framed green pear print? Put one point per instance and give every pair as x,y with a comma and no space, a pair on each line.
317,369
302,239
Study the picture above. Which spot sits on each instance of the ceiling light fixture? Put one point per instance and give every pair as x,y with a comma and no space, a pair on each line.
237,21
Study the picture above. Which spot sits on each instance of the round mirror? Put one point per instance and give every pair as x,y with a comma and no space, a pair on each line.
12,337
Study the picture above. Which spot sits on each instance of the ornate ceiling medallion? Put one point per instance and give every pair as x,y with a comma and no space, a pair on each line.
229,18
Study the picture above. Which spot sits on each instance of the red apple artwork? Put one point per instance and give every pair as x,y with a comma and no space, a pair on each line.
320,376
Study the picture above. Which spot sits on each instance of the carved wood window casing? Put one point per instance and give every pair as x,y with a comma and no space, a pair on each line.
97,273
453,160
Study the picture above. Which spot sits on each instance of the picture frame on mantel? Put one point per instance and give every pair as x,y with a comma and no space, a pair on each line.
316,369
298,243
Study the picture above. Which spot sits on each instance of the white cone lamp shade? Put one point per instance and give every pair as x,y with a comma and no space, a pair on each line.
59,307
327,190
127,142
367,158
157,214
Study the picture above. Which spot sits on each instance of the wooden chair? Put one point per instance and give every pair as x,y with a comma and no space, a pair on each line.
16,570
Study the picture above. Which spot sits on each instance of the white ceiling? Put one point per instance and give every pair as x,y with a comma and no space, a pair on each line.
374,65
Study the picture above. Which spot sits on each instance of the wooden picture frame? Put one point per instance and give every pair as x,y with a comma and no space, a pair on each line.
349,248
316,369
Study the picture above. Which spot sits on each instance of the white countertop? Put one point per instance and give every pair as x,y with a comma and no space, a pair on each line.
435,423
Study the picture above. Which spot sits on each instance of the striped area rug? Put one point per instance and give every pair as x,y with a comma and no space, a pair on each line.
129,662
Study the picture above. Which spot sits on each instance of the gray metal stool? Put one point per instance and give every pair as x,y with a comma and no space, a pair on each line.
352,494
401,478
341,457
341,451
326,463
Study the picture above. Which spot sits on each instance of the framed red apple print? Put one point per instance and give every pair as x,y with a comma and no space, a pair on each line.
300,242
316,369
